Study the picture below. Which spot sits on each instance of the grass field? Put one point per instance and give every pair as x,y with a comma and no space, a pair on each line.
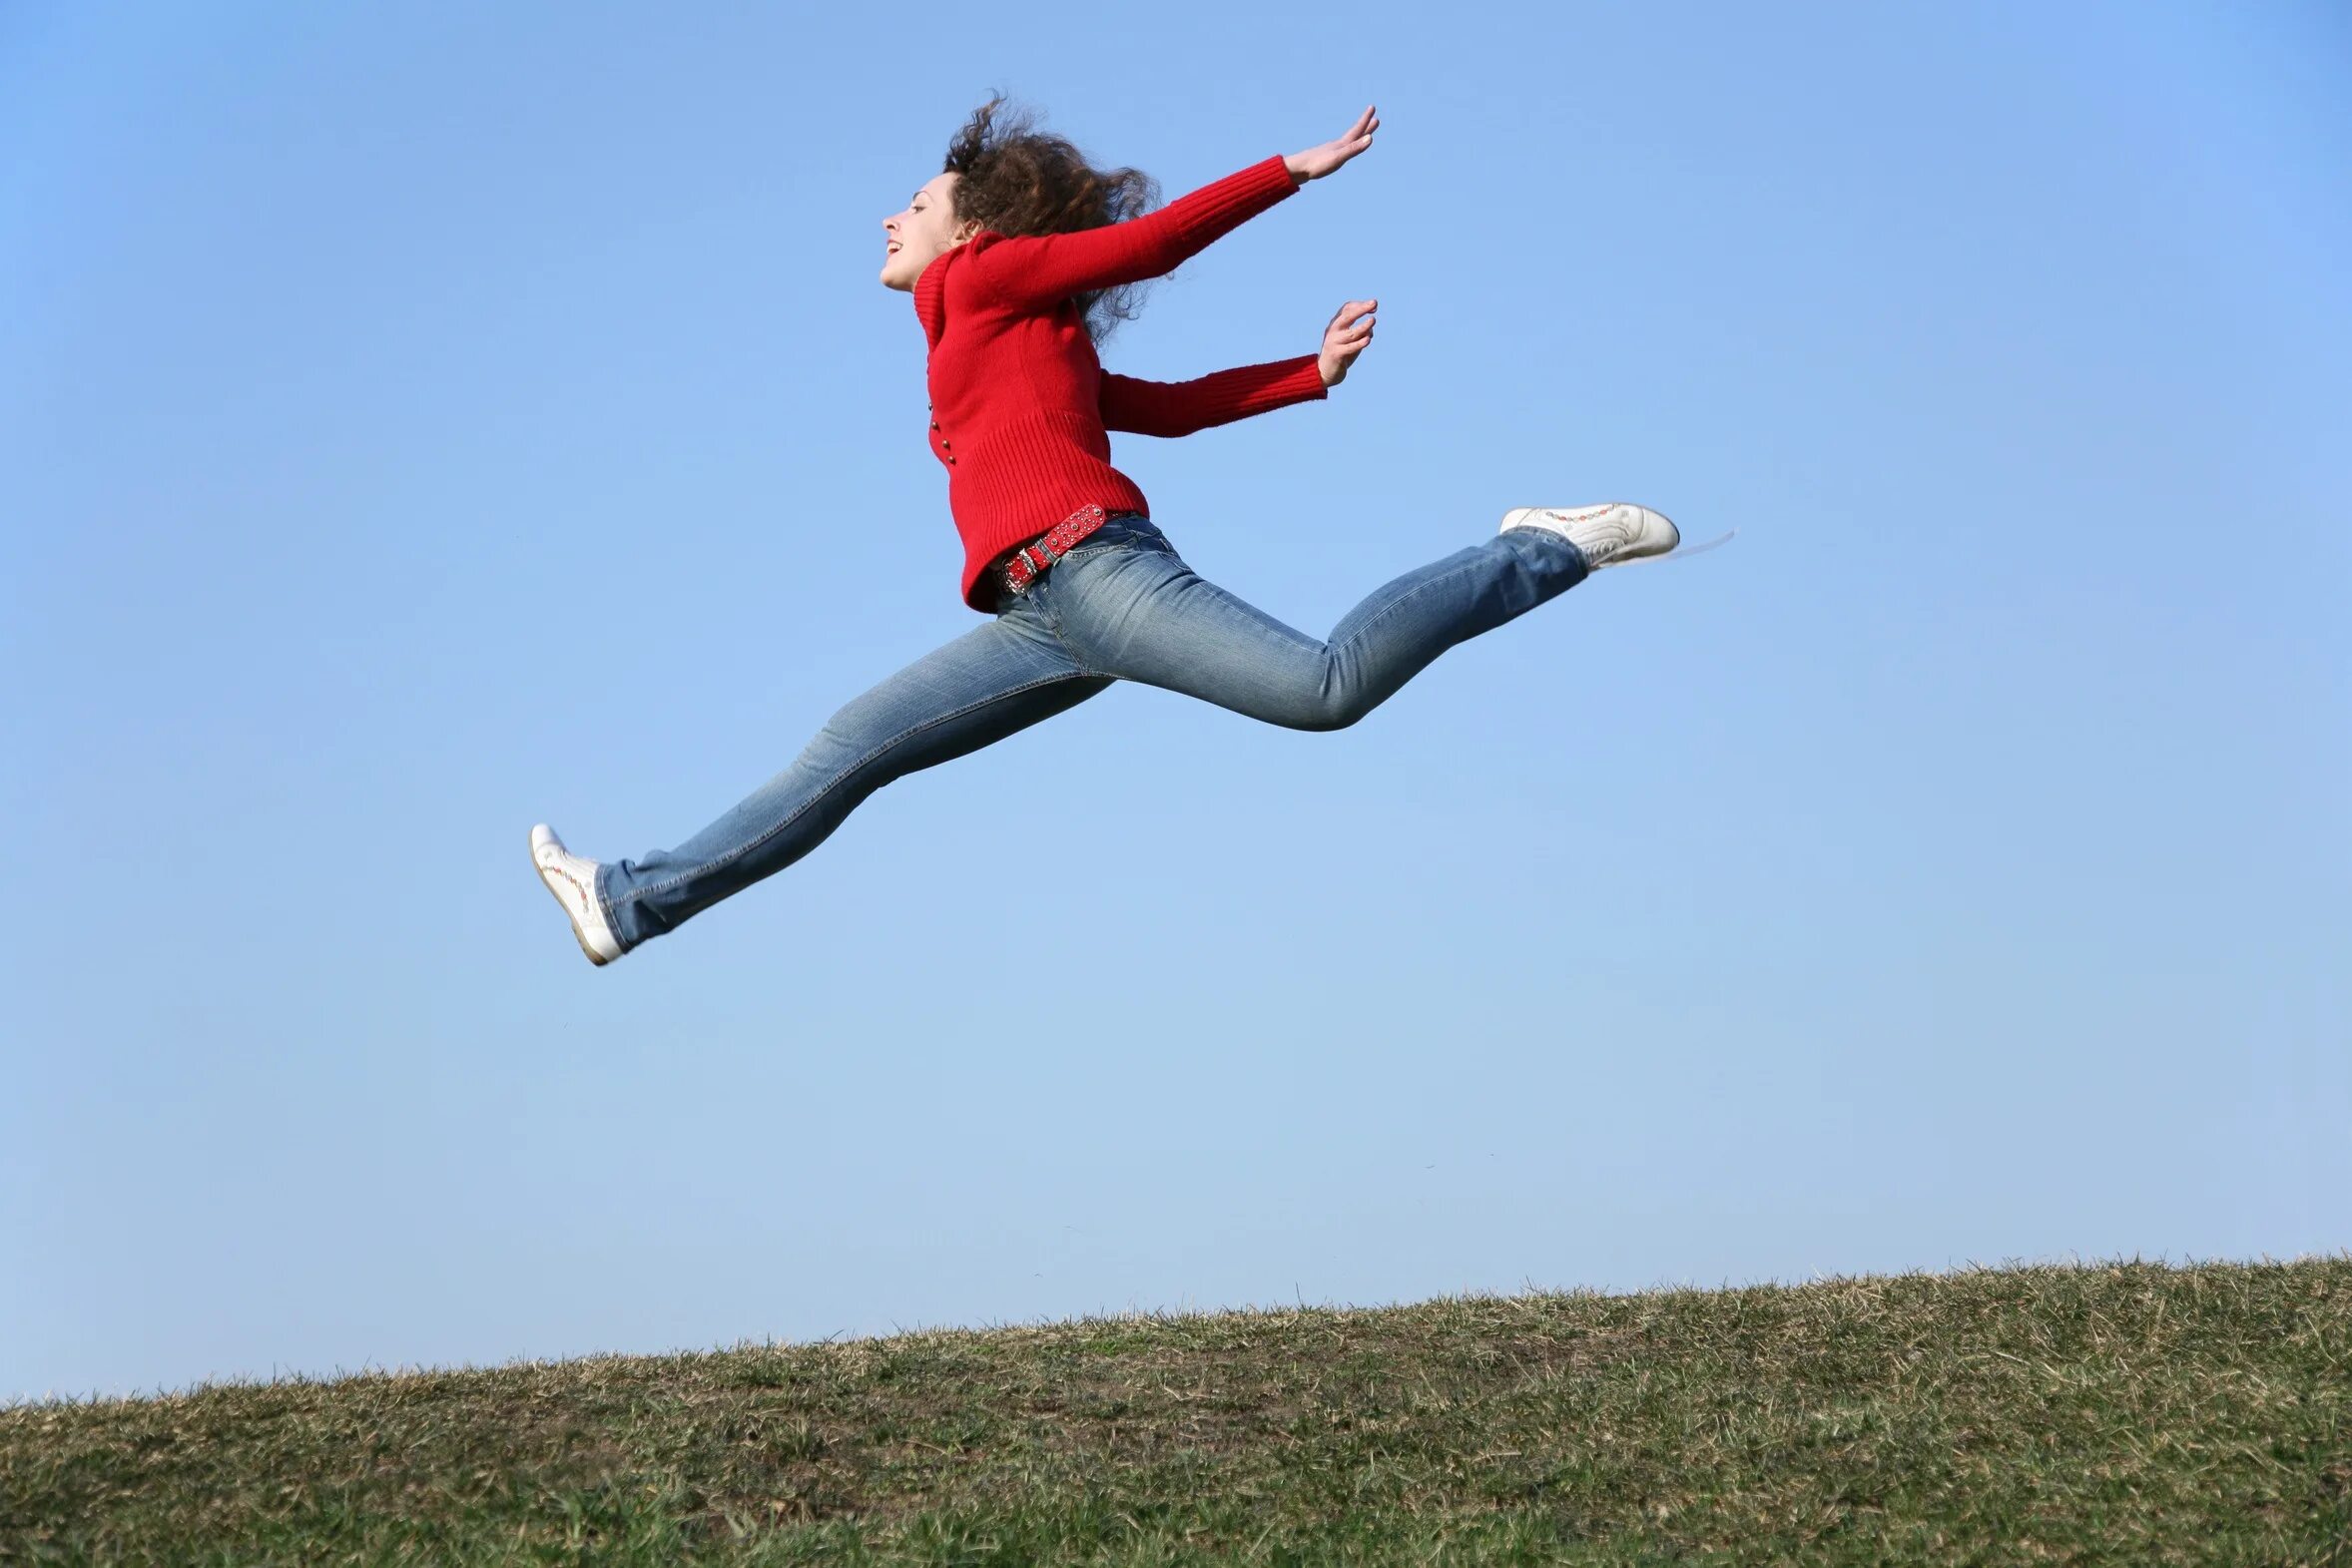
2124,1413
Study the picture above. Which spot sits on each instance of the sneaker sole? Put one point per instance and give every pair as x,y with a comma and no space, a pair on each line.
1679,552
578,935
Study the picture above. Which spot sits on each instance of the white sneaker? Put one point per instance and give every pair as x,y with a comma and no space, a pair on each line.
1609,534
572,879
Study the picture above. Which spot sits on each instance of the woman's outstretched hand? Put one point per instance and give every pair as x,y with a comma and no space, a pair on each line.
1316,161
1344,339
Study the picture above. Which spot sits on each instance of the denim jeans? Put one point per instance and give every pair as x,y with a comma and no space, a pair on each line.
1121,606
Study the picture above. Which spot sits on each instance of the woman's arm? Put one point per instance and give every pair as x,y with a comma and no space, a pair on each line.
1181,407
1035,271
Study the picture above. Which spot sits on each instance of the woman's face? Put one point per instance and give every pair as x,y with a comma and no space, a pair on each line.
922,232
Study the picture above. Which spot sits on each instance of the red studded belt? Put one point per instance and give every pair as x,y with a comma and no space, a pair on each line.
1016,571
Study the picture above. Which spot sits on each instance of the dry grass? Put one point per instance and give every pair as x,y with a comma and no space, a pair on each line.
2125,1413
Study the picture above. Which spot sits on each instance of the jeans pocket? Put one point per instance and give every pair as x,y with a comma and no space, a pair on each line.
1112,537
1128,532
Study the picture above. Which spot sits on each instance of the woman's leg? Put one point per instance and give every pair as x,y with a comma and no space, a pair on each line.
1136,610
981,687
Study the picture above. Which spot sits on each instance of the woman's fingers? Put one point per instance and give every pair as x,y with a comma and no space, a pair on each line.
1357,137
1346,339
1343,340
1317,161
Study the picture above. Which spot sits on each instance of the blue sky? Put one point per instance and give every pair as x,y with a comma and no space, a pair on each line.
420,422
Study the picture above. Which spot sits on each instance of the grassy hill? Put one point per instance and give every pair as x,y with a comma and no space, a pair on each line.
2128,1413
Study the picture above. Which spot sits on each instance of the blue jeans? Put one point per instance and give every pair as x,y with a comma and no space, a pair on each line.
1122,606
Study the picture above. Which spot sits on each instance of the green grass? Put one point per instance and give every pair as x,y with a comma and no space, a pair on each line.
2128,1412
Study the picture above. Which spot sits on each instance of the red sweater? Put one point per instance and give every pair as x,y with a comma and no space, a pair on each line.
1020,406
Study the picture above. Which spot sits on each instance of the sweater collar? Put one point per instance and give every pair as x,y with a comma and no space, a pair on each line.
930,297
931,286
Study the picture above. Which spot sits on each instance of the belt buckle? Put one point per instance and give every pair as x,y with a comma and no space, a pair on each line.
1047,555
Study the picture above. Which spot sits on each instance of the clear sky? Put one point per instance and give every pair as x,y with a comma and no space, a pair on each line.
417,422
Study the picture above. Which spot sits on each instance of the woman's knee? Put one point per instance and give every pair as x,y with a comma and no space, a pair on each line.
1321,717
1325,698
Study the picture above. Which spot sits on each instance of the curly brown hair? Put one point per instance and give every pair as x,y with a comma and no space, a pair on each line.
1017,179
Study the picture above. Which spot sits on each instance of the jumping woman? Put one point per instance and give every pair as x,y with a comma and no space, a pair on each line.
1018,254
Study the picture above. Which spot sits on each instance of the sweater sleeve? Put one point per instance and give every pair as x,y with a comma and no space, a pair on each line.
1181,407
1031,270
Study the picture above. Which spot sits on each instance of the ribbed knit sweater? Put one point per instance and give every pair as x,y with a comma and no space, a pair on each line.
1020,406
